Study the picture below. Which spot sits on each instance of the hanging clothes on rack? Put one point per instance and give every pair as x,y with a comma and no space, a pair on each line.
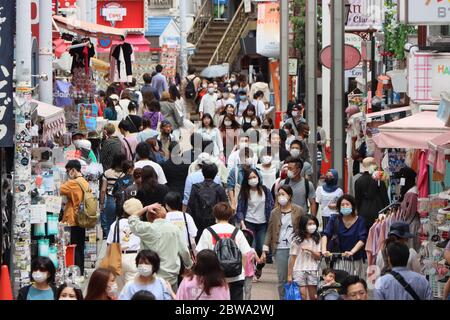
123,56
82,55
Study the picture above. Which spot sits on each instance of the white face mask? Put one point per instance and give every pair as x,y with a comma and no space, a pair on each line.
282,200
290,174
228,123
204,86
295,153
266,159
294,113
311,228
145,270
225,95
373,168
39,276
235,88
210,90
113,290
253,182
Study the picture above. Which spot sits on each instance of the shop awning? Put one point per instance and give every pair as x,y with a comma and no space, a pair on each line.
138,41
53,118
411,132
88,29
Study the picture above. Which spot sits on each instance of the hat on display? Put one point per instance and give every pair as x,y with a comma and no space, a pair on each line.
132,206
401,230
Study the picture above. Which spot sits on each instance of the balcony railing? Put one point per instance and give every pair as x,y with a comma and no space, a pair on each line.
160,4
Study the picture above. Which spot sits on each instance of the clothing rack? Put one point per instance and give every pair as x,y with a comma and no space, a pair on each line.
389,206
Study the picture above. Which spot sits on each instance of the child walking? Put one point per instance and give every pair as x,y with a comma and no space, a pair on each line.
250,265
305,256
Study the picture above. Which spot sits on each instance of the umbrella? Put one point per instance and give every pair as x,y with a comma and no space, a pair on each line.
215,71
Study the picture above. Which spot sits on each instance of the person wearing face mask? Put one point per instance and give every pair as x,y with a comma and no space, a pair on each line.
68,292
248,116
102,285
295,117
72,190
370,195
208,102
304,257
147,265
43,276
235,158
283,224
129,242
258,102
346,233
84,146
267,168
236,175
209,132
327,196
229,129
287,127
222,104
299,150
242,103
255,204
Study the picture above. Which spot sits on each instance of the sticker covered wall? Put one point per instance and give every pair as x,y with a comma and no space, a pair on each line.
6,67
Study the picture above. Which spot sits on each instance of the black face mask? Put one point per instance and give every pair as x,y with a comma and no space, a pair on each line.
329,181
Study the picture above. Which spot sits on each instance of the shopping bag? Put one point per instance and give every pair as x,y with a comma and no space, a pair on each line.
113,257
292,291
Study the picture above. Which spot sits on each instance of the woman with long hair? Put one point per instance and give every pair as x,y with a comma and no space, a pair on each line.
151,191
153,114
102,285
255,204
283,224
229,129
210,133
206,281
107,200
248,117
170,111
305,256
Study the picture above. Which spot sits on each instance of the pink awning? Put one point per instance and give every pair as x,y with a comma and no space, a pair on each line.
138,41
88,29
411,132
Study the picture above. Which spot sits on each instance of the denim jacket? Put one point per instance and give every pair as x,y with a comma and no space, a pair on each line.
242,206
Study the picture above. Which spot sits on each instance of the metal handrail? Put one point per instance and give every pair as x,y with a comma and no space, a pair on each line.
227,35
205,13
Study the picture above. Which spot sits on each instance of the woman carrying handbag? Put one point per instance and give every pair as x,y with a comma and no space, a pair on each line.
123,246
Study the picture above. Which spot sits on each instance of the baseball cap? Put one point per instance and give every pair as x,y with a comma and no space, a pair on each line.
401,230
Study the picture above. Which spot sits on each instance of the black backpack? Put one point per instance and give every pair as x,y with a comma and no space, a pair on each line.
119,193
228,253
189,91
206,200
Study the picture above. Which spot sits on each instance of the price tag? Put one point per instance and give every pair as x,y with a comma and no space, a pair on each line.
38,213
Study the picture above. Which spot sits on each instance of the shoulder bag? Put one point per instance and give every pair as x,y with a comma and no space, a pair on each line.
113,258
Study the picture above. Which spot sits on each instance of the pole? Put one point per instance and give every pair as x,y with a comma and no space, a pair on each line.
337,86
183,39
284,54
45,51
81,12
21,233
311,80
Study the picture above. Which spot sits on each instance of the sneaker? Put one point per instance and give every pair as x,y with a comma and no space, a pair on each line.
258,273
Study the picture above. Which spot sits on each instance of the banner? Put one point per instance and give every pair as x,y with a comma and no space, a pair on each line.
440,76
6,70
429,12
365,15
268,30
274,67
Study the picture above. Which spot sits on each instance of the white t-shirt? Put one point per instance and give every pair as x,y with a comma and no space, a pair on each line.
305,261
128,241
159,171
269,175
224,230
177,218
233,160
260,108
324,199
256,208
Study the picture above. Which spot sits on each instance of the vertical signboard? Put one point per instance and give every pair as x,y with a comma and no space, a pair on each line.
268,30
6,69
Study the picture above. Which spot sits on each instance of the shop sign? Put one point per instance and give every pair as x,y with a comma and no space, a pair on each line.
6,67
440,76
268,30
351,54
365,15
355,41
429,12
113,12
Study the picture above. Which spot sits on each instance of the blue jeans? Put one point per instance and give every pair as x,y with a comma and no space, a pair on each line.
282,260
108,215
259,234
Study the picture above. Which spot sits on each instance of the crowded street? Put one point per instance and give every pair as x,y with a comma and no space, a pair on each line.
225,150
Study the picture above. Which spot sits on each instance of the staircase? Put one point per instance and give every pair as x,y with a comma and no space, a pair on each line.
208,44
